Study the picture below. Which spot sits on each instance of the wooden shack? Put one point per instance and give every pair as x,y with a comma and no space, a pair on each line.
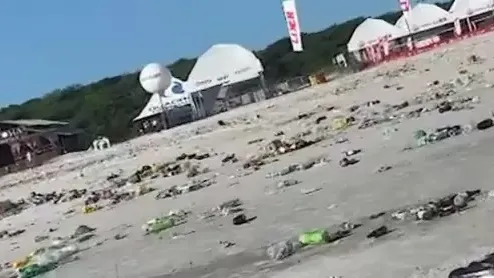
28,143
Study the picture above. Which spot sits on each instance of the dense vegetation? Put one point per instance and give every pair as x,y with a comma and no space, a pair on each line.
108,106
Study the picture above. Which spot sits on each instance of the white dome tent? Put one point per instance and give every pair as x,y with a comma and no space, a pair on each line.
468,8
424,17
220,67
370,31
224,64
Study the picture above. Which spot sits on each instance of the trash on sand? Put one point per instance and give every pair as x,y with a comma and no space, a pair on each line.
352,152
485,124
344,162
318,236
242,219
156,225
308,191
286,248
287,183
87,209
379,232
340,123
229,207
482,268
283,249
424,138
227,244
45,259
81,230
35,270
384,169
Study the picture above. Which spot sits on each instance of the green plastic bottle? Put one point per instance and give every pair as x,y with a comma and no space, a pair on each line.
314,237
35,270
162,224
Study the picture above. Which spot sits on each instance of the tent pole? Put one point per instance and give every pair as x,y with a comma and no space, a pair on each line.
163,112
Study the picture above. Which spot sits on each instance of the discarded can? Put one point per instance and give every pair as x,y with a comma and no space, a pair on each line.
314,237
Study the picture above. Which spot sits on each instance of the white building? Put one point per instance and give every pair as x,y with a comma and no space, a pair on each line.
217,71
424,17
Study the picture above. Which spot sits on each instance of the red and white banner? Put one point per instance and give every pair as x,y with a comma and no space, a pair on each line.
405,6
294,32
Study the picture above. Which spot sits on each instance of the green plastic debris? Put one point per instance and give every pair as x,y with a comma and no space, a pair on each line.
157,225
35,270
314,237
419,134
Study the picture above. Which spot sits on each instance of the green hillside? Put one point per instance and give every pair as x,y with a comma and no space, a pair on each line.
107,107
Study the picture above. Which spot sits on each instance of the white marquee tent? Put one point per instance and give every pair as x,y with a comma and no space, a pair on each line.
468,8
370,31
224,64
176,95
423,17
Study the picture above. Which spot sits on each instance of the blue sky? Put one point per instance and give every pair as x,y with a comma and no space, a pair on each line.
50,44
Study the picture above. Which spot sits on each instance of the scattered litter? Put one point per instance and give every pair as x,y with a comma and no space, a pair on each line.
241,219
287,183
352,152
308,191
344,162
159,224
384,169
319,236
476,269
379,232
226,244
283,249
485,124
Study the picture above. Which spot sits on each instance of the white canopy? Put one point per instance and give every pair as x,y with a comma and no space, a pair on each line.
175,96
423,17
224,64
467,8
370,32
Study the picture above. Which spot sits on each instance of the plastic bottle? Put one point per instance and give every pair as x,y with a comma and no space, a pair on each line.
159,224
34,270
314,237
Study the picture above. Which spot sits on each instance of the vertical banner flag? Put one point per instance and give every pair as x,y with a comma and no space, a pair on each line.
291,16
405,6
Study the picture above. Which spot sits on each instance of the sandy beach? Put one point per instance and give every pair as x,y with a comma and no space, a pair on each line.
325,195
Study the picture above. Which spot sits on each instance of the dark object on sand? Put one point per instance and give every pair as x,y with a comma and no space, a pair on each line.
240,219
81,230
444,107
344,162
379,232
483,268
485,124
320,119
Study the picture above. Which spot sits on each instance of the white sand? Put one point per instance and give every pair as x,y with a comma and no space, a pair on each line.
449,166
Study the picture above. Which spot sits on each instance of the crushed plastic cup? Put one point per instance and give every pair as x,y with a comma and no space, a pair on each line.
53,254
283,249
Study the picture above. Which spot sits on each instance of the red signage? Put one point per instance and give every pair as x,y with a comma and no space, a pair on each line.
292,26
